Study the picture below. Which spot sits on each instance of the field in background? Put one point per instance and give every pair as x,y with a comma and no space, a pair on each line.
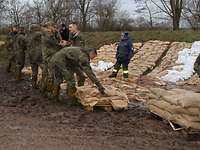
97,39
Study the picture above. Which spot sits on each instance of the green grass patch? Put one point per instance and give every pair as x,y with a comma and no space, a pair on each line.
97,39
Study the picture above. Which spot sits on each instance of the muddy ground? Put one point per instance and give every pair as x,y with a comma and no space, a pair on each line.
29,121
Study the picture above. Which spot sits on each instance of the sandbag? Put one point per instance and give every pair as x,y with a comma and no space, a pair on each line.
177,105
181,97
89,96
175,108
175,118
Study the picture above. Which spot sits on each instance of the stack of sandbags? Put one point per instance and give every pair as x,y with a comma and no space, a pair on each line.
90,97
147,57
107,52
28,71
177,105
169,60
137,46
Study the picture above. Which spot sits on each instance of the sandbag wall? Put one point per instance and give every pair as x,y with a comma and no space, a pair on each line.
169,60
177,105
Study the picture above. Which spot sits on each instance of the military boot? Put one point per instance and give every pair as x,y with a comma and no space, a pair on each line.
125,75
125,72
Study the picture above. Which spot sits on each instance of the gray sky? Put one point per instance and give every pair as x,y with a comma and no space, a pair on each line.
128,5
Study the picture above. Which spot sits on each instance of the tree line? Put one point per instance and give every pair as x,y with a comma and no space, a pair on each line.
102,15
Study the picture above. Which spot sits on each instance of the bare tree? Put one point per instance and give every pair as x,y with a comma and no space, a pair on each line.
59,10
144,8
105,11
173,8
2,6
123,21
38,9
150,13
192,13
84,6
16,12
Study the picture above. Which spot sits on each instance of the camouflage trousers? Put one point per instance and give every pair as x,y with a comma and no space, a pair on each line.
61,73
11,61
20,62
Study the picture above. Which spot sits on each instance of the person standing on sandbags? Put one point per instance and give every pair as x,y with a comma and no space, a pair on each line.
123,55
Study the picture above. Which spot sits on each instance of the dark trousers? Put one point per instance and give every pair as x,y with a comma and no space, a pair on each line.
121,62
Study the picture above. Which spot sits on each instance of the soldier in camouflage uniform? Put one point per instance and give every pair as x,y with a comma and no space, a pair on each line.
35,52
64,64
20,45
197,65
50,45
76,39
76,36
10,47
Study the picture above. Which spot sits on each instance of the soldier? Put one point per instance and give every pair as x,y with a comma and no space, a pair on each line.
64,64
197,65
10,47
50,45
35,52
20,46
123,56
75,35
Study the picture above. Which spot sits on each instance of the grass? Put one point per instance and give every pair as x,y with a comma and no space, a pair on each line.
97,39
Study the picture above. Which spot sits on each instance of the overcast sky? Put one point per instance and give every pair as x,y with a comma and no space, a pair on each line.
128,5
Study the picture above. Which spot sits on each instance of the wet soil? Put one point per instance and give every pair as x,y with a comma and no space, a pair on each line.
30,121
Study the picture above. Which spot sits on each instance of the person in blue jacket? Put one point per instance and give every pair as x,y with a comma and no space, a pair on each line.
123,55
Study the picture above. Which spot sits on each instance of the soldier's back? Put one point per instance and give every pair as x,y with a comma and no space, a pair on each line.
50,46
35,47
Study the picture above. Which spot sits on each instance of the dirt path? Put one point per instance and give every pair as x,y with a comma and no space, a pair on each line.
28,121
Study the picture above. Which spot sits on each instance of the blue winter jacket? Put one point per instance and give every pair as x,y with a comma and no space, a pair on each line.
125,49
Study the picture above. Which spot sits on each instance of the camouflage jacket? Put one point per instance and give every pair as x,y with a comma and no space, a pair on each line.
11,38
35,47
50,46
77,39
20,44
72,57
